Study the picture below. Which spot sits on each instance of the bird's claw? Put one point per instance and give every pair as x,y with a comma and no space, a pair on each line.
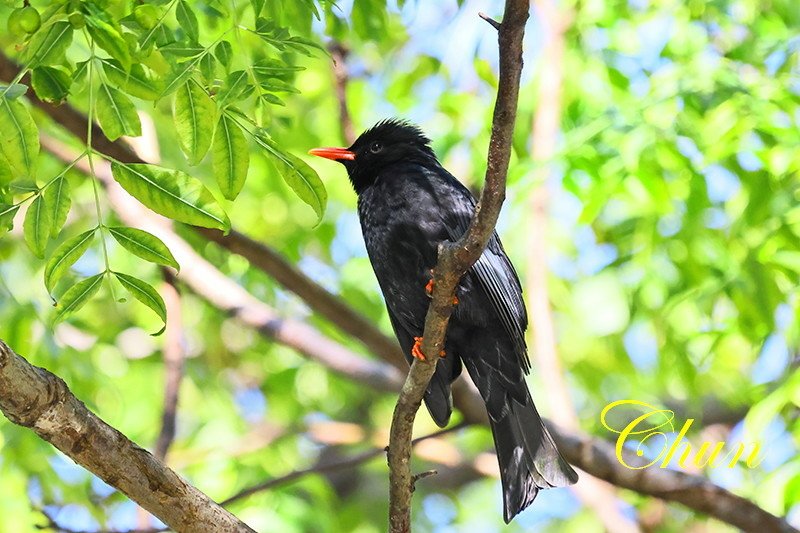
429,290
416,350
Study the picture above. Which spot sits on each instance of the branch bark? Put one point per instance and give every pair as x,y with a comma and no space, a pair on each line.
34,398
453,262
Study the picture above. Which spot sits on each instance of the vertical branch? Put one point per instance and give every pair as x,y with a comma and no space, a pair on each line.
594,493
339,55
173,364
455,259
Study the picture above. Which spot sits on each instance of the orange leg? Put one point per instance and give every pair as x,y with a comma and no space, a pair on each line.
416,350
429,290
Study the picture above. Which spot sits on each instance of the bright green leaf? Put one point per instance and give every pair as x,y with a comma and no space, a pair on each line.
303,180
59,202
77,296
65,256
109,39
231,157
116,114
19,138
135,82
224,53
235,85
145,293
47,47
7,214
145,245
51,84
36,227
187,20
194,120
171,193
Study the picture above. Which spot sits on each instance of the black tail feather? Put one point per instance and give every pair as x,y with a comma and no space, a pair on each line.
528,457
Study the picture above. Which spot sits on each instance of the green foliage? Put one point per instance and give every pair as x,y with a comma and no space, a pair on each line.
157,52
144,245
674,236
171,193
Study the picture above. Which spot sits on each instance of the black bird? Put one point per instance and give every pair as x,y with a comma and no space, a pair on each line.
408,204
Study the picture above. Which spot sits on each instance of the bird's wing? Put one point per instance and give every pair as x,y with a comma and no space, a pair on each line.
493,271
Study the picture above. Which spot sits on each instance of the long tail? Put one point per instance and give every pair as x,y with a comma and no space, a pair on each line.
528,457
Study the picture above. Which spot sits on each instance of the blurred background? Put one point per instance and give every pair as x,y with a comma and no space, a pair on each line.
652,214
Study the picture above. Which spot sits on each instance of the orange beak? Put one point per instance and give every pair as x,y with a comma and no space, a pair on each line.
335,154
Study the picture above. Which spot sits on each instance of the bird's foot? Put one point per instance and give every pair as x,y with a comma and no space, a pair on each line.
429,290
416,350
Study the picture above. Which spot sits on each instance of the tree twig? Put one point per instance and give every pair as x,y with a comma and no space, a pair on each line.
329,467
34,398
454,260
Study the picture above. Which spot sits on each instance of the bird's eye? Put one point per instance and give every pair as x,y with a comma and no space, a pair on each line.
375,147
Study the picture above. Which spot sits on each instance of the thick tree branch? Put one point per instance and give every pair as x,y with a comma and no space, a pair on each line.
594,456
453,262
34,398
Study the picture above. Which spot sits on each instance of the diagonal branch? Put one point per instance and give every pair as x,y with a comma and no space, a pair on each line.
34,398
453,262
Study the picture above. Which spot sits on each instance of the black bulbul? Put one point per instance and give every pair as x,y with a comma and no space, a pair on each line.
407,205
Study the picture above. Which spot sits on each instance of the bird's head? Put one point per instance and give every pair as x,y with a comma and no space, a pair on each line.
388,142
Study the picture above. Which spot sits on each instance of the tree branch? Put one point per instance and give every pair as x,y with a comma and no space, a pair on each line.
453,262
329,467
34,398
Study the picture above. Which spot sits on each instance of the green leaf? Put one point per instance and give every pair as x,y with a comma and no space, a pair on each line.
59,202
171,193
144,245
135,82
235,86
116,114
36,227
51,84
77,296
65,256
109,39
187,20
7,214
231,157
271,99
268,68
48,47
19,138
14,91
145,293
208,68
224,53
194,120
303,180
